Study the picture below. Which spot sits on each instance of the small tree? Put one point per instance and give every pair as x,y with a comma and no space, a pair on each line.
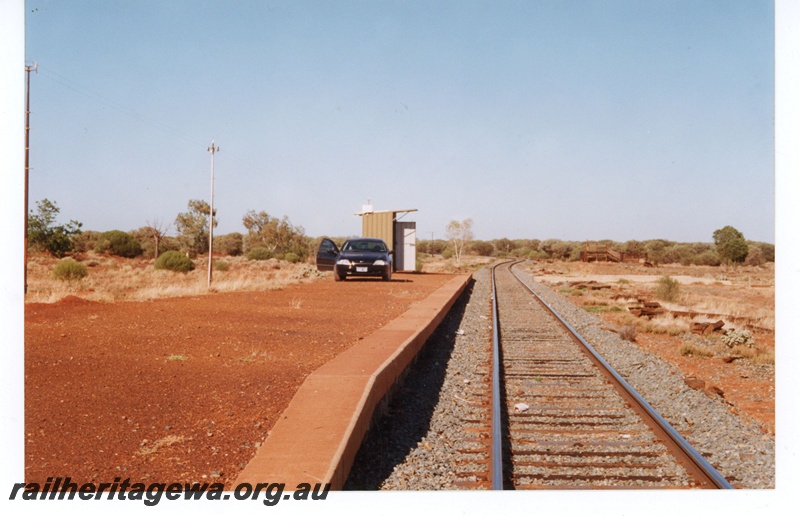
193,226
157,231
731,245
44,235
279,236
459,233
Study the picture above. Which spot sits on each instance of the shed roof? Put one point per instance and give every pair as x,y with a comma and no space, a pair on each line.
361,214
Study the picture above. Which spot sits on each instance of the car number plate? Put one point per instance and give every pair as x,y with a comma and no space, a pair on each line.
361,269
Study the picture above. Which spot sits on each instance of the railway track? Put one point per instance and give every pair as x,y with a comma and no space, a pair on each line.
561,417
559,421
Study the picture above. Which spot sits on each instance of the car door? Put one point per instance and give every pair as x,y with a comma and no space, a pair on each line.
326,255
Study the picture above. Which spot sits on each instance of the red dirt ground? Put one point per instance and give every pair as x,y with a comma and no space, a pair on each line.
747,388
747,391
184,390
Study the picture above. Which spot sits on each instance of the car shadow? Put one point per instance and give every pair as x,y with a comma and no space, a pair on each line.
378,280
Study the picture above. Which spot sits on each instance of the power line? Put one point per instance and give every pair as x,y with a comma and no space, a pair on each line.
105,101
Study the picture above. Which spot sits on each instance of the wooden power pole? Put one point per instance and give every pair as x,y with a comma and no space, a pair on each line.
34,67
213,150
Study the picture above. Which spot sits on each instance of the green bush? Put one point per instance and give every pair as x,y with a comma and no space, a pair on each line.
118,243
481,248
220,265
174,261
259,253
667,289
431,246
706,258
291,257
70,270
85,241
230,244
537,255
755,256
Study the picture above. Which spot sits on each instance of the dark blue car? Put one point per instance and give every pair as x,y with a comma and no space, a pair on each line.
358,257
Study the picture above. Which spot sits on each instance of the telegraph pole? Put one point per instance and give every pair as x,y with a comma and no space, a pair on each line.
28,68
213,150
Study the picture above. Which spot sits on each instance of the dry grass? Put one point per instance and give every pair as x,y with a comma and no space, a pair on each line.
437,264
761,355
759,309
694,350
113,279
666,324
742,297
628,332
663,324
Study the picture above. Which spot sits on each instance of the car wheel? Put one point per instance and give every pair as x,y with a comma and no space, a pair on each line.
387,276
337,277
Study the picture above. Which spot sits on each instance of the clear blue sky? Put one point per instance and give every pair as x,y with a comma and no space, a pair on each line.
537,119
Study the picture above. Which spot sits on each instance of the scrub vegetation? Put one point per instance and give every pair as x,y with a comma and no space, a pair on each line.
668,289
141,265
70,270
655,252
686,300
174,261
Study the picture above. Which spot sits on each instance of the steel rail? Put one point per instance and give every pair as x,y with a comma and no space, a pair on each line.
714,476
497,430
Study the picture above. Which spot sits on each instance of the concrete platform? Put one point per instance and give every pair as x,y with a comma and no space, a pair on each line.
317,437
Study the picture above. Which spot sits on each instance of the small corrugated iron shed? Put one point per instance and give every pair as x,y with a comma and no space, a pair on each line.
384,225
381,224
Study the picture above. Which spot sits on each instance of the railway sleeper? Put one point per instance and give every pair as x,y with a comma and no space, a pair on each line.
542,414
588,453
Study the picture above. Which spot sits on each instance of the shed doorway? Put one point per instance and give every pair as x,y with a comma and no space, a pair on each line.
405,246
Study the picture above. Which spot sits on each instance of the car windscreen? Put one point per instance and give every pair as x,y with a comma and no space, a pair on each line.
364,246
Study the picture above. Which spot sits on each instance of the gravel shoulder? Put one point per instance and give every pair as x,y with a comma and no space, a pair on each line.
738,448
